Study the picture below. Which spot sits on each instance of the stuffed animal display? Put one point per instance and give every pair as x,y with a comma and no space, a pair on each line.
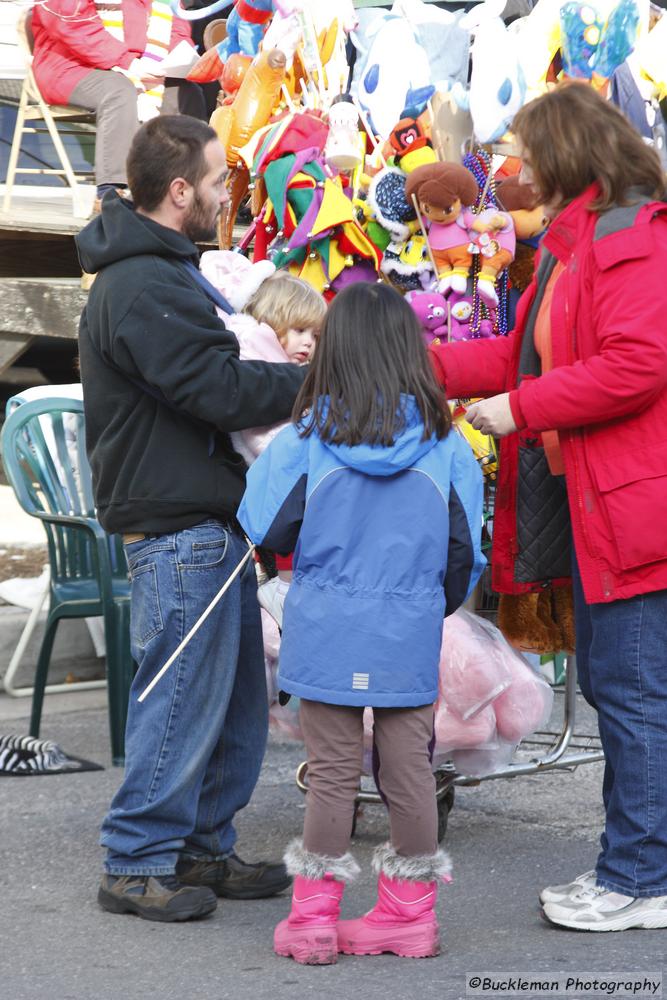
456,233
236,123
346,186
442,190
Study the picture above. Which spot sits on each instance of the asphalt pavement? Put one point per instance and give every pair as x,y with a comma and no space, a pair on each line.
507,840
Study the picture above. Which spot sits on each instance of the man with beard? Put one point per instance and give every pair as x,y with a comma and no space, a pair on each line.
163,387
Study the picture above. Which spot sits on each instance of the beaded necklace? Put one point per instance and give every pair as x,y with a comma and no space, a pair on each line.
479,164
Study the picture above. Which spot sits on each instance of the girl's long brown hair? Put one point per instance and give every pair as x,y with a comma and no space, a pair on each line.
574,137
371,352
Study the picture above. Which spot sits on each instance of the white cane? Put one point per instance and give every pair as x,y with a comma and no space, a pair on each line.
202,618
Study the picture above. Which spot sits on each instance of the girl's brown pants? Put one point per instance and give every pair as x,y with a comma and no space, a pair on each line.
402,743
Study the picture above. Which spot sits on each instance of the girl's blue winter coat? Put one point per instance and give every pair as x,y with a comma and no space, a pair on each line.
386,542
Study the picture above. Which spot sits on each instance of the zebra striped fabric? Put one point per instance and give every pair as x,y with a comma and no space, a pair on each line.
27,755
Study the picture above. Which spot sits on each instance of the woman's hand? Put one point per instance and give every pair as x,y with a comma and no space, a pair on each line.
492,416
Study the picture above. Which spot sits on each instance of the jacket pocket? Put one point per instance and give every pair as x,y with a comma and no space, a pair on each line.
633,488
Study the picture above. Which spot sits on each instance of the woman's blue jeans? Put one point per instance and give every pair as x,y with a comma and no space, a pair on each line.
622,669
194,747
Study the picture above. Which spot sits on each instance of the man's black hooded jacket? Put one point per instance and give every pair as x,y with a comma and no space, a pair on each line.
161,374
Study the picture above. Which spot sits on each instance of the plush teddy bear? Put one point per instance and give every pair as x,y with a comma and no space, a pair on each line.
530,222
524,706
541,621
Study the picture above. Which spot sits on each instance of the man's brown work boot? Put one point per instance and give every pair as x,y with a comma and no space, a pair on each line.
233,878
155,897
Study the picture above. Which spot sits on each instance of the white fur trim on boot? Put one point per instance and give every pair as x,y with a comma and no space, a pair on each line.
417,868
299,861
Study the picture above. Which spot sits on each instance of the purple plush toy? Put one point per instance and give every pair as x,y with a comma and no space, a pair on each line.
431,311
461,310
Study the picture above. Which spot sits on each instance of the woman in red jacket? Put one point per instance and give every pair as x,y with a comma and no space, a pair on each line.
105,56
578,395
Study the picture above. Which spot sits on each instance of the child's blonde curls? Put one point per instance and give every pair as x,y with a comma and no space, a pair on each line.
286,303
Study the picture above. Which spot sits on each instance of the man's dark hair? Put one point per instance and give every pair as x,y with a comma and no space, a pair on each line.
164,148
370,356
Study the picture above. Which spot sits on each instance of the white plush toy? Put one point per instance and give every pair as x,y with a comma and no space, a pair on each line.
394,71
497,84
234,275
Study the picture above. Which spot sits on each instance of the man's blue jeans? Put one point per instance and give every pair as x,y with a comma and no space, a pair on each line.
194,747
622,669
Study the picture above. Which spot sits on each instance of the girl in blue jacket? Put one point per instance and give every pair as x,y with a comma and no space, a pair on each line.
383,509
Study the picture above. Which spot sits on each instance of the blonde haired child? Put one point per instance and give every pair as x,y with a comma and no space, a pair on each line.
278,318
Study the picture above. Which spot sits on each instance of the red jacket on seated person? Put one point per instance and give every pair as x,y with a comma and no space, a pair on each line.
70,41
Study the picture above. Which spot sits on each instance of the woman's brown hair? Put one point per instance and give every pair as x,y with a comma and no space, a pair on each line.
574,137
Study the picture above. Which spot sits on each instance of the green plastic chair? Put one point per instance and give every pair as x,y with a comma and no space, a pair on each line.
43,452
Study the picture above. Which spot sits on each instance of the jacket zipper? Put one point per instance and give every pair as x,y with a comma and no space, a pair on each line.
580,434
577,432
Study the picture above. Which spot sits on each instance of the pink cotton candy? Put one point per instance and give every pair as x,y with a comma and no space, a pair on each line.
473,664
525,706
453,732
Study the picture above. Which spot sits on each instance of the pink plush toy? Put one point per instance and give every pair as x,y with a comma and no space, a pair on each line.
431,311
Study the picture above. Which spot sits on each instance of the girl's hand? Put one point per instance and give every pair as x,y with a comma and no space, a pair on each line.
492,416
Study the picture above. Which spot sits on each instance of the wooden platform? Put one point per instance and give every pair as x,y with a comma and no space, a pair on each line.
44,210
37,209
37,234
40,274
37,307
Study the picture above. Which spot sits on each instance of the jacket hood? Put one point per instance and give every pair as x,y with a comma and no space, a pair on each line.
387,460
119,232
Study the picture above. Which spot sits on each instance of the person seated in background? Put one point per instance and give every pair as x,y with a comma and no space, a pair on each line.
105,56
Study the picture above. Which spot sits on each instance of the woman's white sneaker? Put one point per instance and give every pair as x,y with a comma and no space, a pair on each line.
600,909
555,893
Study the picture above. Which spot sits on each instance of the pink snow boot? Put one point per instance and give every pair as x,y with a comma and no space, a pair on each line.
403,920
309,934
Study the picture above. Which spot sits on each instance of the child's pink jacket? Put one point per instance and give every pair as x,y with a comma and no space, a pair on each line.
257,342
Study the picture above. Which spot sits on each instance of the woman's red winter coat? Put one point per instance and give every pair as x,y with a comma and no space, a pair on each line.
70,41
606,395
